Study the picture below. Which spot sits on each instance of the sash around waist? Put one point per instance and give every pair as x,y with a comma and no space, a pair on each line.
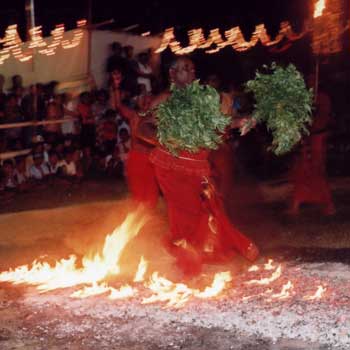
189,163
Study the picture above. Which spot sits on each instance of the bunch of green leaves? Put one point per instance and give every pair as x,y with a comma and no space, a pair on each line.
284,103
190,119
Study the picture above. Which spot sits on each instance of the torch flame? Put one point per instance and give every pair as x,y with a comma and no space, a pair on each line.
319,8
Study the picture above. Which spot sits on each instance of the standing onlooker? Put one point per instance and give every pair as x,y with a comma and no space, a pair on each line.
2,96
100,106
124,144
116,60
70,127
145,71
52,131
12,115
88,127
309,174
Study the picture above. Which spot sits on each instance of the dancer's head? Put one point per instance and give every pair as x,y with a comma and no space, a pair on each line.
182,71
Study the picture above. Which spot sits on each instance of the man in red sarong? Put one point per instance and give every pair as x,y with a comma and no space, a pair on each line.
140,174
309,172
199,228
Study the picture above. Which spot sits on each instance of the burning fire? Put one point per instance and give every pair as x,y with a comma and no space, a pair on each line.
318,295
319,8
90,277
66,273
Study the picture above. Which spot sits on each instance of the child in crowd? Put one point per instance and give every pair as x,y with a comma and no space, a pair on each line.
124,144
113,164
21,175
71,170
38,146
107,132
39,171
54,164
9,180
52,131
88,127
101,105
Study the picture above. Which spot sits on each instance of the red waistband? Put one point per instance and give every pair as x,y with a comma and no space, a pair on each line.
186,162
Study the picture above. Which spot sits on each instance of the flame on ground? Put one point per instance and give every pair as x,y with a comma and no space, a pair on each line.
318,294
90,278
264,281
65,273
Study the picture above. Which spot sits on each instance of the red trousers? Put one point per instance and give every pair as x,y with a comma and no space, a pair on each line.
199,228
141,178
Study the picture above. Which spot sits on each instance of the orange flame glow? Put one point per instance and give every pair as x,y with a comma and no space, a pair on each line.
141,270
319,8
318,294
264,281
269,265
285,292
66,274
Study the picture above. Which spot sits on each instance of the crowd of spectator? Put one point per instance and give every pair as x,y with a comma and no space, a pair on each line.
77,137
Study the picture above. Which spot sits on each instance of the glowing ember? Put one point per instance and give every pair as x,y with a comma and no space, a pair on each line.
141,270
253,268
285,292
218,285
122,293
175,294
318,295
269,265
276,274
319,8
95,289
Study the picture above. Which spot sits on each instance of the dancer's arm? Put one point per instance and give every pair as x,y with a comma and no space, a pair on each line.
147,126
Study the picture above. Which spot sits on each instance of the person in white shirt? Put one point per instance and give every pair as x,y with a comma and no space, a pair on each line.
69,111
21,174
68,164
145,71
39,170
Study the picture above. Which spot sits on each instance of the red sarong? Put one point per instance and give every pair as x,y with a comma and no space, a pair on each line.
141,178
199,228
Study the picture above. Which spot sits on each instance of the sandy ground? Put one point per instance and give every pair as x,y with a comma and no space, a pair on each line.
52,225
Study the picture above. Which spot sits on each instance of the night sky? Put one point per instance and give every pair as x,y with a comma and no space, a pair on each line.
156,15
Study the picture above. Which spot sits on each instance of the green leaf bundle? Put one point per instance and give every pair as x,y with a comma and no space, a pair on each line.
284,103
190,119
